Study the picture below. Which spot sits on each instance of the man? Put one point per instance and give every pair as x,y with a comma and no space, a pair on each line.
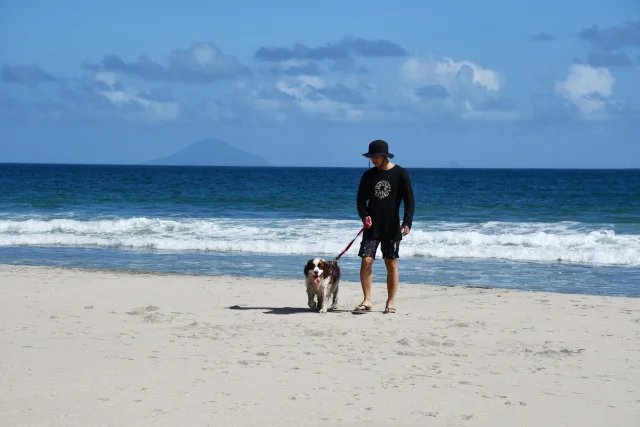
380,193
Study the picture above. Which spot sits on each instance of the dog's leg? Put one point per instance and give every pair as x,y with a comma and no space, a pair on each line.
335,299
311,296
323,300
335,285
326,301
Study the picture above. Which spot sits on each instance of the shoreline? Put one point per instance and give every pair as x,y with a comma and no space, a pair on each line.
379,279
247,276
104,347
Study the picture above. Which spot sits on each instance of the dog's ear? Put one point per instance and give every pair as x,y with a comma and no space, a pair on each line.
307,267
326,268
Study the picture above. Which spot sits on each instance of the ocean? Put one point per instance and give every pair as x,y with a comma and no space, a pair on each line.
568,231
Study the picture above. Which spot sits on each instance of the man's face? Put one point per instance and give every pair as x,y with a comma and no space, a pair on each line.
377,161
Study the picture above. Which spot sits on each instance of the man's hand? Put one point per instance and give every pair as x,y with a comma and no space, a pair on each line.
405,230
367,222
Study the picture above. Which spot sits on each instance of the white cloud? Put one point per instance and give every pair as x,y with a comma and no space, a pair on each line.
330,108
206,55
307,97
300,86
147,110
201,63
447,72
105,77
588,88
468,91
439,87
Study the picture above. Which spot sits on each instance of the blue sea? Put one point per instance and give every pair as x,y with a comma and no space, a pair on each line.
568,231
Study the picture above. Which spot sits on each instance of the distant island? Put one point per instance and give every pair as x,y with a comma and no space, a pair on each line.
210,152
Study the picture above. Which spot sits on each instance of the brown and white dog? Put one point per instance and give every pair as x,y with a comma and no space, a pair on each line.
322,278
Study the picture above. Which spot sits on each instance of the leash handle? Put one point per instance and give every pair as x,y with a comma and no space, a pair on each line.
349,245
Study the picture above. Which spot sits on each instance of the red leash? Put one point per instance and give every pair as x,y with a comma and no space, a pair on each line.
349,245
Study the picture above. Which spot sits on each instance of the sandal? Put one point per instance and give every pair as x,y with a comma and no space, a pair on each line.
389,310
363,307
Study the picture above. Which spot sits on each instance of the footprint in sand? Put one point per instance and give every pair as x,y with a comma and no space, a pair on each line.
148,314
142,310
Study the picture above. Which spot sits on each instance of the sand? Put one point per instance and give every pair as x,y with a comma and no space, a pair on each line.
106,348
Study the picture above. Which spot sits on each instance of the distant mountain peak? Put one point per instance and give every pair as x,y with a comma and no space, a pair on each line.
211,152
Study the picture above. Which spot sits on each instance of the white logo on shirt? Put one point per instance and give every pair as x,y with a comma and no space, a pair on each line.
382,189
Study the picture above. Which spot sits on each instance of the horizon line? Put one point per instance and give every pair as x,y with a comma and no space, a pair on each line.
320,167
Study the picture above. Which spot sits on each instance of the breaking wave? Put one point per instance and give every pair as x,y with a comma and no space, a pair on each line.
564,241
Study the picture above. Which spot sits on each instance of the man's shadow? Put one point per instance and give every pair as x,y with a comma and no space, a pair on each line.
282,310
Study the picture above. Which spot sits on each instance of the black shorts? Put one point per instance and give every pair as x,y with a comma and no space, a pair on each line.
389,248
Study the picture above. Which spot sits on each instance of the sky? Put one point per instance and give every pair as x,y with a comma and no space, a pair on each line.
492,84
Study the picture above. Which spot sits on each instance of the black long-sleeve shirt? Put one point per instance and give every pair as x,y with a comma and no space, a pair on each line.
380,194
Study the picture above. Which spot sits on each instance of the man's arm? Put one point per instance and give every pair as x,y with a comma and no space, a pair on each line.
362,197
409,201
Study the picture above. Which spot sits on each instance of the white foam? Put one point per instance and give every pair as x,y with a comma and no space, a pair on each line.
565,241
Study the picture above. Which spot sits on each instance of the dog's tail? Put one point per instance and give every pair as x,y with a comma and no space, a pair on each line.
335,270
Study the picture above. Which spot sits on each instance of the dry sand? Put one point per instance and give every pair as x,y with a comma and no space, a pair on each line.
104,348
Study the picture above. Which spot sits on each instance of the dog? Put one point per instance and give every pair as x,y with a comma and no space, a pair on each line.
322,279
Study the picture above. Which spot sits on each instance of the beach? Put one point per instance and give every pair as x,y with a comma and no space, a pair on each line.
82,347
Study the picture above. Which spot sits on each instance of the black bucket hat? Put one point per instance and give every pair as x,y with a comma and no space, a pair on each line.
378,148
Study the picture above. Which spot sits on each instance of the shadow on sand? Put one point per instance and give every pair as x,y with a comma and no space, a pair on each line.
274,310
284,310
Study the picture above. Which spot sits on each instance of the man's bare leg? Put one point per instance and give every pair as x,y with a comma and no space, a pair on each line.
366,280
392,281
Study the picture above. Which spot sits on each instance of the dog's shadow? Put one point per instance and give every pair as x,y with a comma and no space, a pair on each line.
282,310
274,310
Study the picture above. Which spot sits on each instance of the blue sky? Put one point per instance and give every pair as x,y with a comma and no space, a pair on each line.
480,84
